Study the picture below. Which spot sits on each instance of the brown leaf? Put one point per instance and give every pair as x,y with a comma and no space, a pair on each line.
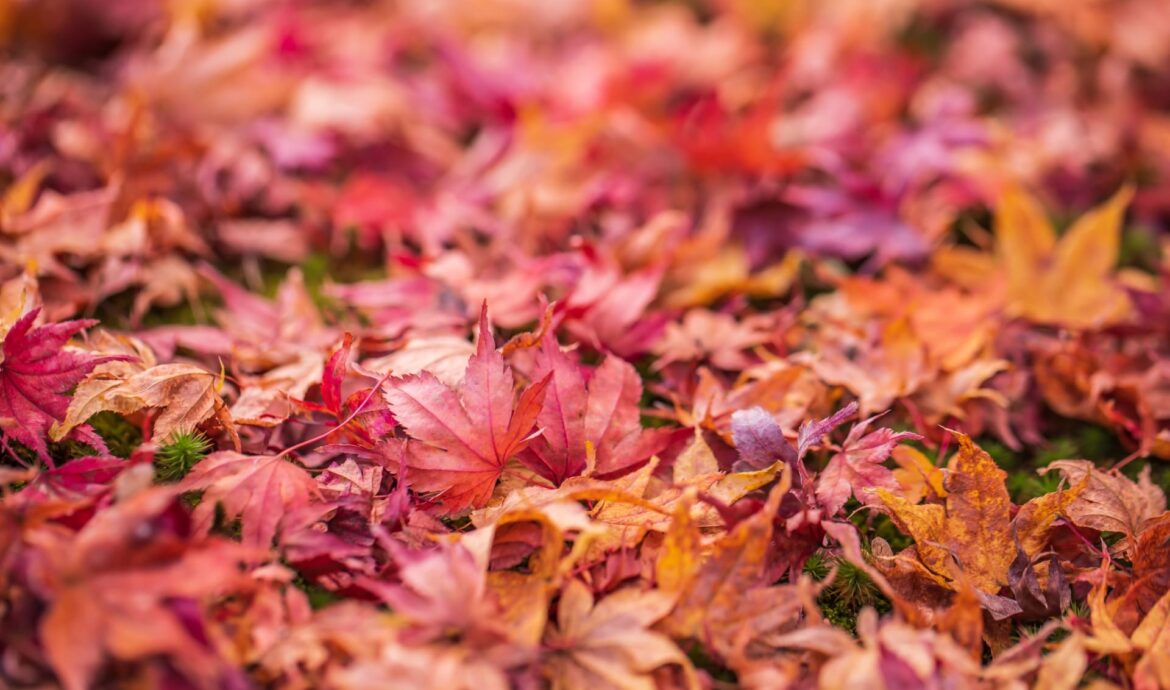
607,644
1151,574
1107,637
963,619
1110,502
728,599
186,395
978,515
1153,638
1034,520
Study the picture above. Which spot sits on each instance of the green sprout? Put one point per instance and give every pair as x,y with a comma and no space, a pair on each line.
174,460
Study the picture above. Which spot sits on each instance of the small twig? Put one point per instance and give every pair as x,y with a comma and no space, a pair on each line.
352,415
1129,458
1093,547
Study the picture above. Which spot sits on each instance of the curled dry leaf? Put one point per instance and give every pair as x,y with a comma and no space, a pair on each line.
1110,502
185,395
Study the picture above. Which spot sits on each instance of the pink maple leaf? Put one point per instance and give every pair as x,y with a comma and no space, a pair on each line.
602,411
465,436
259,489
857,468
35,375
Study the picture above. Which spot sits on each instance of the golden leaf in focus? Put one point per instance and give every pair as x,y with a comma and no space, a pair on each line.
973,526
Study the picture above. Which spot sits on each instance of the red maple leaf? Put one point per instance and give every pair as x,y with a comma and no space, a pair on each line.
857,468
34,377
602,411
132,586
466,435
259,489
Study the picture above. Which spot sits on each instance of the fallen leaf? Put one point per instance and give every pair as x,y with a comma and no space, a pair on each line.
185,394
1110,502
608,643
857,469
972,527
464,437
35,374
727,596
1067,281
258,489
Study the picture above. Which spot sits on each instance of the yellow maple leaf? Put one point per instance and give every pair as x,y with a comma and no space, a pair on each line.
1067,281
972,528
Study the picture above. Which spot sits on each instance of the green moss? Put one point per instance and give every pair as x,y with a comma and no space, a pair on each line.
1098,443
702,660
321,266
853,587
1141,249
1067,439
1028,629
839,614
174,460
1057,449
923,38
1004,457
817,567
64,451
319,597
850,592
1024,486
653,422
232,529
810,284
192,499
120,435
1079,609
60,452
16,453
458,523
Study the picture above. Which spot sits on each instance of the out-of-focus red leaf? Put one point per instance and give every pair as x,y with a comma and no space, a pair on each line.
257,489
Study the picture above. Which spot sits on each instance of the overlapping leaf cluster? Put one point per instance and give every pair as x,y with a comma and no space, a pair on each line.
584,344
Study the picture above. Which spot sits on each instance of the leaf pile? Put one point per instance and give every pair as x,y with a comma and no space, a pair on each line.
584,344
